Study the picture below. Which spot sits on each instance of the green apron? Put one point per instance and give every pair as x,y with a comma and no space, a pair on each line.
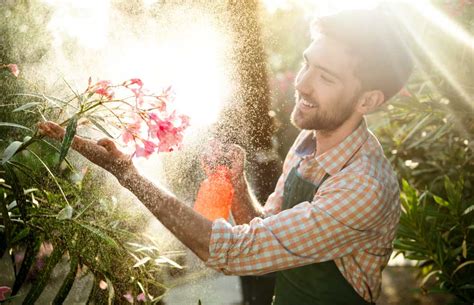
316,284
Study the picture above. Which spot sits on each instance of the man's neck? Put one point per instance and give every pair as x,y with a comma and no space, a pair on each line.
327,139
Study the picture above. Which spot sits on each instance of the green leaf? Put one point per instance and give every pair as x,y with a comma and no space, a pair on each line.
142,262
58,151
440,201
18,192
26,106
32,248
464,248
68,137
428,276
10,151
68,281
51,173
40,284
468,210
78,96
6,124
111,289
99,126
48,98
7,224
21,235
165,260
453,190
65,213
100,234
462,266
414,129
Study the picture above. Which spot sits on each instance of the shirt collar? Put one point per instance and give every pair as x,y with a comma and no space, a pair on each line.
334,159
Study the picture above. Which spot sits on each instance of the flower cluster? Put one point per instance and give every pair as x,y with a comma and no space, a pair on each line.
13,69
4,290
149,124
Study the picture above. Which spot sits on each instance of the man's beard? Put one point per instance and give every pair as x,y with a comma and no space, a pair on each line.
324,120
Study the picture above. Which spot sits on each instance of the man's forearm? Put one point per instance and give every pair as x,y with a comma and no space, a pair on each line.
245,206
193,230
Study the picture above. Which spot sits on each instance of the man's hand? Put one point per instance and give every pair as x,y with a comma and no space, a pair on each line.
230,155
245,206
51,130
104,153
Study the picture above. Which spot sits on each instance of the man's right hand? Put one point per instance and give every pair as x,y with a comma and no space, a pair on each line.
230,155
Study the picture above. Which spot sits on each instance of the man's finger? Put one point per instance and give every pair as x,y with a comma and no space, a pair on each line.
109,145
112,149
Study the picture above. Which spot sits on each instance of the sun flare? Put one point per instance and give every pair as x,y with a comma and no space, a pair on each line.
189,56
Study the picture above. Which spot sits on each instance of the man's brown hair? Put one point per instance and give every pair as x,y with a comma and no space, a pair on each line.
372,36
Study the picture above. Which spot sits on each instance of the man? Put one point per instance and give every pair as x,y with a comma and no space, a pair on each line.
329,225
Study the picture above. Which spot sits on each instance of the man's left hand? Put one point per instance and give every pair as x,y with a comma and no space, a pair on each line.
104,153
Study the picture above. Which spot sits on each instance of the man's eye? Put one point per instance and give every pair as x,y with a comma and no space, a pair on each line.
327,79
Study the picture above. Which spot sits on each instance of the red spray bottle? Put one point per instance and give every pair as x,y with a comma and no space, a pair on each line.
214,198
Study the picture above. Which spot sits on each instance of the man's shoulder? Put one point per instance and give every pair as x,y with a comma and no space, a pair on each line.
371,162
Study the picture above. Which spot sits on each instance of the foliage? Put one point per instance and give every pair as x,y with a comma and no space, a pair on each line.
42,203
438,232
46,203
428,132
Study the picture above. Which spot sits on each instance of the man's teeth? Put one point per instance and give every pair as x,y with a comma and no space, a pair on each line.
307,104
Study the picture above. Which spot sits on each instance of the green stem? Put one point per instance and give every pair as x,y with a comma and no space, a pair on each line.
6,220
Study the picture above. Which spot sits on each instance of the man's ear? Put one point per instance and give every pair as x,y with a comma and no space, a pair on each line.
369,101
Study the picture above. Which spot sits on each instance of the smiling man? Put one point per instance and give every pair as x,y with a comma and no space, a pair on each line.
329,225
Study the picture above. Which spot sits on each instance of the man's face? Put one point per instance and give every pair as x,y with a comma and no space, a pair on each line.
326,88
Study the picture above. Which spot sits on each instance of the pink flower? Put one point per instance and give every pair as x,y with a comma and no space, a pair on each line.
141,297
404,92
146,150
134,81
128,296
169,142
185,121
14,69
135,85
103,88
131,131
163,128
159,104
103,285
150,127
4,290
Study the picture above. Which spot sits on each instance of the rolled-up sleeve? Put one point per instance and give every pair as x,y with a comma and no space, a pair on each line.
342,218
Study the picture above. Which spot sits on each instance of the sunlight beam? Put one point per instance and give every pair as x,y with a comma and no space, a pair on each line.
444,23
418,39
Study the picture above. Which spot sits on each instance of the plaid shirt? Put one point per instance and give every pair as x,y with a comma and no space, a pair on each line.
352,218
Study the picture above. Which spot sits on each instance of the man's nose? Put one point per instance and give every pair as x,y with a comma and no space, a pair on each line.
302,83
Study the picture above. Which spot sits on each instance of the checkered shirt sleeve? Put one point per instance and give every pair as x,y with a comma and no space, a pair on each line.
342,218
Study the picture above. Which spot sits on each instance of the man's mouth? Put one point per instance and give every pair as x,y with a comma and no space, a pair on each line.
306,104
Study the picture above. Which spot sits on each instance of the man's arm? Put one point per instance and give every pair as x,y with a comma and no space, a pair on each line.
192,229
245,206
338,222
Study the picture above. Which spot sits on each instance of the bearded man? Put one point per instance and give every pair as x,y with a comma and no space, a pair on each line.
327,229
